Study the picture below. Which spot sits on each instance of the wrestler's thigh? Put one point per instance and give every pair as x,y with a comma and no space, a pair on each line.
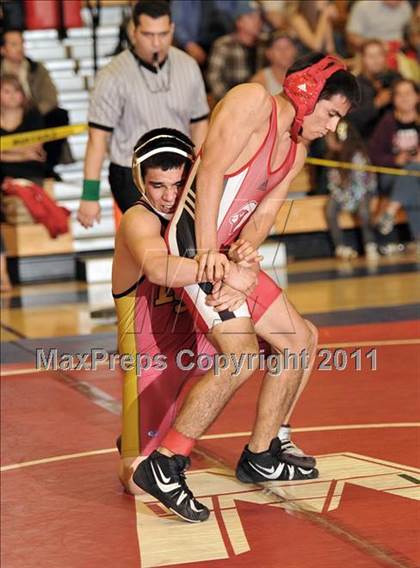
236,335
281,325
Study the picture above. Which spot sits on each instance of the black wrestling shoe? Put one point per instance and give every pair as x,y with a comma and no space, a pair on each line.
163,477
270,465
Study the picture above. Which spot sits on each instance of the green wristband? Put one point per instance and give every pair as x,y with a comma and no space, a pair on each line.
90,190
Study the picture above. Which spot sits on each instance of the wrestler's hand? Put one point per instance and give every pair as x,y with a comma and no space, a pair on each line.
241,279
242,251
217,287
212,266
88,213
226,299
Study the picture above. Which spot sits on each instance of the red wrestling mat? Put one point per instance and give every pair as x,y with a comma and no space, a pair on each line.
361,512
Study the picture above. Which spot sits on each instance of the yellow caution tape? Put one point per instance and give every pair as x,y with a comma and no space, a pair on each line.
11,141
362,167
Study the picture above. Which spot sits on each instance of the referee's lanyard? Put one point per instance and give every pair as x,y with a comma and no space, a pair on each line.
162,84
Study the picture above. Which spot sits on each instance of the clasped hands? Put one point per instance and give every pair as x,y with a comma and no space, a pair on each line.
234,277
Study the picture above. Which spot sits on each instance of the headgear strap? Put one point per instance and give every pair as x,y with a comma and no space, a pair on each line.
304,87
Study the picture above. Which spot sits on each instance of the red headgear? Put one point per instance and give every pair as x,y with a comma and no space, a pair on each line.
304,87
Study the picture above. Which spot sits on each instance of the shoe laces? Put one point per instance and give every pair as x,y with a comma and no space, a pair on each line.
179,465
287,446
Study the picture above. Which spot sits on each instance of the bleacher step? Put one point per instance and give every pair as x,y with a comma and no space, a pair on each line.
94,244
94,268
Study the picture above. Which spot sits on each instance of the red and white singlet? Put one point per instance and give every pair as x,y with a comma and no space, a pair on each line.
243,191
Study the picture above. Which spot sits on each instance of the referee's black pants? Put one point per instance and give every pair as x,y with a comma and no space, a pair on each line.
122,186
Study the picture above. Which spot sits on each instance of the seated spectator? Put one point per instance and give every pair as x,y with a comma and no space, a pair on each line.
313,25
350,190
38,86
274,13
395,143
23,162
378,19
340,22
408,58
199,23
281,53
16,115
234,58
375,82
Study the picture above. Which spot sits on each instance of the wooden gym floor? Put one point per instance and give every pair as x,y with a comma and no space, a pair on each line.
62,505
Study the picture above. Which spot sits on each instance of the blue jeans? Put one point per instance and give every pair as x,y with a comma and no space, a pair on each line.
406,191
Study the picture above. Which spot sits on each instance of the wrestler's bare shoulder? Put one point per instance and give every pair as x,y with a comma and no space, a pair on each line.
246,99
138,225
249,91
138,221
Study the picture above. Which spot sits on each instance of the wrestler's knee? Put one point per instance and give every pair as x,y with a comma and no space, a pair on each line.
304,339
240,361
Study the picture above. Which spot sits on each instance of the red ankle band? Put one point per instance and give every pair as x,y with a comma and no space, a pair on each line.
177,443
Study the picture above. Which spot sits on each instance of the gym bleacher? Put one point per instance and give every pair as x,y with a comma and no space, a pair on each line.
70,63
71,67
87,253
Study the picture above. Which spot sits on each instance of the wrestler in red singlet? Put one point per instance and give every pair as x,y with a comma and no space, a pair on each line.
242,192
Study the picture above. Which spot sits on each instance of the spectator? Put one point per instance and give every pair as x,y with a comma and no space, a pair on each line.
340,22
234,58
349,190
395,143
281,53
37,86
16,115
409,57
154,85
378,19
199,23
313,24
375,82
274,13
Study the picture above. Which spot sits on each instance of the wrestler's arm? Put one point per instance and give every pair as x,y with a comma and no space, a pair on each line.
141,235
262,220
235,120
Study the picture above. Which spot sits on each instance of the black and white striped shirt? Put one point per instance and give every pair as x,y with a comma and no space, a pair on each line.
130,98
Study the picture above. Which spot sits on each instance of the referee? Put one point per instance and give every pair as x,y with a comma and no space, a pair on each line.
153,85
